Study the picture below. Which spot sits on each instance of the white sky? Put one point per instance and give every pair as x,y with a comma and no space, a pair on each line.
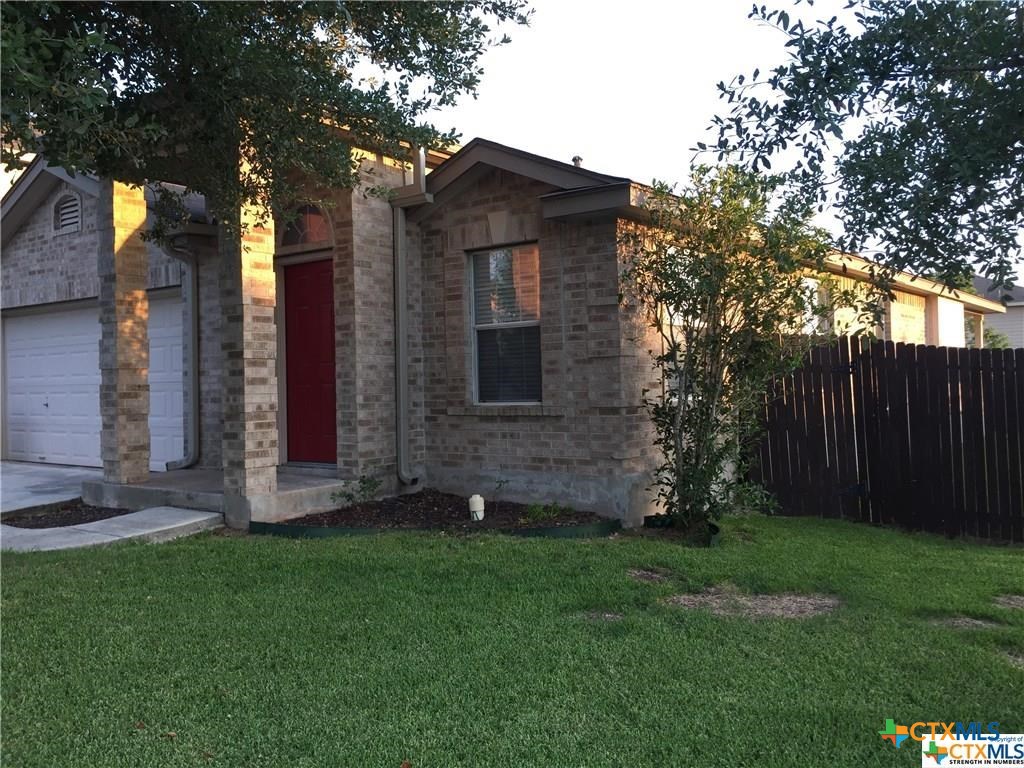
628,88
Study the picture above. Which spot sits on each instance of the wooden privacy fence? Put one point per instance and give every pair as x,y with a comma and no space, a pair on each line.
928,438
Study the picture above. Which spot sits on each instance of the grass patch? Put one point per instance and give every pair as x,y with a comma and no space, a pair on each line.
468,651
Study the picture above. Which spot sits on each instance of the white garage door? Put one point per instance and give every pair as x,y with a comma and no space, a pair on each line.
52,374
53,384
165,383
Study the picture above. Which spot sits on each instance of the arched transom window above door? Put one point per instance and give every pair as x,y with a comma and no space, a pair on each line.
307,229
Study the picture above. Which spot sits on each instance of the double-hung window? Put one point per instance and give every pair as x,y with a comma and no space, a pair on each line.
506,324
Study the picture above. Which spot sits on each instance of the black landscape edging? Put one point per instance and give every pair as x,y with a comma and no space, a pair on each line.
581,531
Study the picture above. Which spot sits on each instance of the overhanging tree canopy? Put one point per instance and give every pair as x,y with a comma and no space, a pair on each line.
174,91
923,103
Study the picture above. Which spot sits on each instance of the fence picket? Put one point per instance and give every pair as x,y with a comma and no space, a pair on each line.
933,437
969,439
1014,361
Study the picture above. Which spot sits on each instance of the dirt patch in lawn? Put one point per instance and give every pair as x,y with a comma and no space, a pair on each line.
966,622
1011,601
650,575
61,514
432,509
723,601
1015,658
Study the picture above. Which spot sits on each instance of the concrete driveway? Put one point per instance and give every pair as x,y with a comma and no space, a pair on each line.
29,485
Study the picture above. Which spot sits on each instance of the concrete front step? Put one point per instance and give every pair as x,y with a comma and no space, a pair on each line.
297,494
103,494
153,524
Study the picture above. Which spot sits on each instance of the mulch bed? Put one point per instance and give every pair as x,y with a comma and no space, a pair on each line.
61,514
432,509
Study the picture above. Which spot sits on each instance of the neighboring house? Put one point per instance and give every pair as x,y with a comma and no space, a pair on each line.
1010,324
505,364
920,311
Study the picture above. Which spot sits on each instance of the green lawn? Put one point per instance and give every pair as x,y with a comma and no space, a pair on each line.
447,651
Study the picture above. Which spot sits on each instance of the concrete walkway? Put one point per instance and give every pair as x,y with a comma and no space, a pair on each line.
25,485
154,524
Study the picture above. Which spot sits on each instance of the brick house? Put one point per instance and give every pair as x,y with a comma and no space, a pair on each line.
464,335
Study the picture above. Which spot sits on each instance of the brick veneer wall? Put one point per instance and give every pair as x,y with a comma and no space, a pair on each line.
364,328
373,266
121,262
584,445
416,371
40,267
347,420
248,295
210,355
637,373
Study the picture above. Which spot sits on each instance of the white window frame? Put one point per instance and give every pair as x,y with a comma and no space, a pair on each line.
812,323
477,327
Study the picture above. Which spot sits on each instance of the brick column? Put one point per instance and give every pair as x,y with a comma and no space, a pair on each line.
122,263
249,345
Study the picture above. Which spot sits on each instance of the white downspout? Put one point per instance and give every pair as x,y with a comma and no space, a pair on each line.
413,194
405,474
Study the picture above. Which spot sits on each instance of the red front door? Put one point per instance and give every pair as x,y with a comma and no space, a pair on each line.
309,361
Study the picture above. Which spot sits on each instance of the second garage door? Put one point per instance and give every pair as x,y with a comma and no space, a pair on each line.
52,380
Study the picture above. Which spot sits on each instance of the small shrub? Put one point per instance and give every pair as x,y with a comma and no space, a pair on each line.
364,489
538,512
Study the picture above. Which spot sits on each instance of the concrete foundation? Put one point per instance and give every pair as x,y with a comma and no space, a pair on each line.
296,495
622,497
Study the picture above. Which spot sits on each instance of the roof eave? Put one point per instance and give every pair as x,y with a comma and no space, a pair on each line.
29,191
856,266
624,199
482,151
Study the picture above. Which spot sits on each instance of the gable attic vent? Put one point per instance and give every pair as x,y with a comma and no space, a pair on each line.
67,215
